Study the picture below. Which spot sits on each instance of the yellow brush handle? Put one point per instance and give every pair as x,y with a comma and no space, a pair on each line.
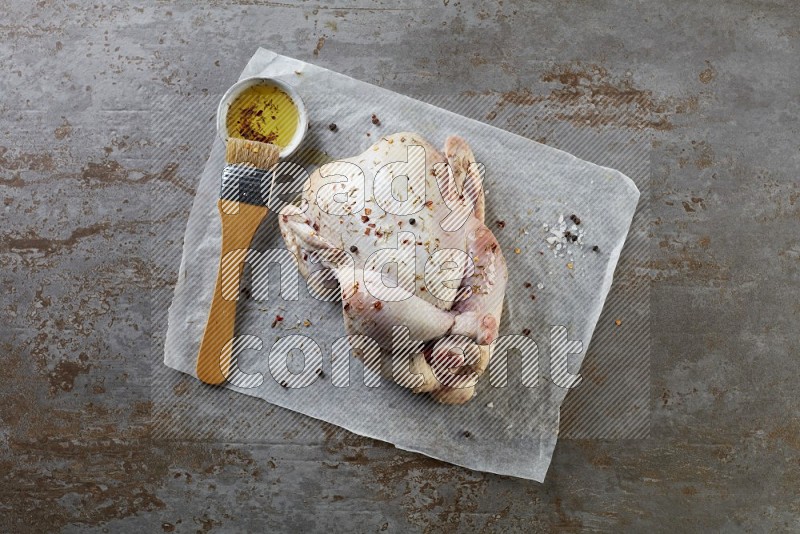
238,229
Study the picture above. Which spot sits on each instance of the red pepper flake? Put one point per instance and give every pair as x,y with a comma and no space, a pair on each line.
378,305
429,204
316,226
364,218
378,233
375,120
367,211
278,319
367,231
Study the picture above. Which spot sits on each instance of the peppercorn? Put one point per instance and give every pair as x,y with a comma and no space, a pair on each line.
333,127
353,249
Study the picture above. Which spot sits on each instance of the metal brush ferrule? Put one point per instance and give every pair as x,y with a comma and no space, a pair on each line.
245,183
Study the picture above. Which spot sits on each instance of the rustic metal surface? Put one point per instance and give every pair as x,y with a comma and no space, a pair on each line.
82,161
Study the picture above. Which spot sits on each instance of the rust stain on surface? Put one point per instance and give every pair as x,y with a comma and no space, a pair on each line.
789,433
26,161
110,172
35,242
66,371
320,44
16,181
689,268
708,74
588,95
63,131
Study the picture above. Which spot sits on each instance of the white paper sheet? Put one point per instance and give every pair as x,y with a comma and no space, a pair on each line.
530,187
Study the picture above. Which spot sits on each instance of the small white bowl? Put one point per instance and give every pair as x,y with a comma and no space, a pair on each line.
240,86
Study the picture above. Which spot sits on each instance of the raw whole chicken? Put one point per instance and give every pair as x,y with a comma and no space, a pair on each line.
399,230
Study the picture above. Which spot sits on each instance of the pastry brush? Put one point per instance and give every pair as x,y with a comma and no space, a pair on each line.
242,209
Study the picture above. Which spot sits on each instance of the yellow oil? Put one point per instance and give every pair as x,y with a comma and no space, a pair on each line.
263,113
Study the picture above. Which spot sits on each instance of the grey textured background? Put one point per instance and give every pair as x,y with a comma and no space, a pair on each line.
715,86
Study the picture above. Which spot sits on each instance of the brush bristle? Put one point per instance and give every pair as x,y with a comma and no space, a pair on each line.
260,155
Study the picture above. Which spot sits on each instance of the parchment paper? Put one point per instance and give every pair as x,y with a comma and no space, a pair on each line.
531,192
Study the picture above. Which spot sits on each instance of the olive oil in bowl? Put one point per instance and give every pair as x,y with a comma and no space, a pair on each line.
265,113
266,110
